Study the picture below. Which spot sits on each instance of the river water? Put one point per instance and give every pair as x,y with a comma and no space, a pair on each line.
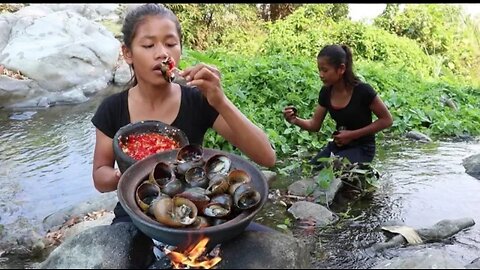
46,161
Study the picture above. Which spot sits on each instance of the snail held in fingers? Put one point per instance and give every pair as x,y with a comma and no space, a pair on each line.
170,71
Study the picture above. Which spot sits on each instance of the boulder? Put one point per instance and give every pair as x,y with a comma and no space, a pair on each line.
117,246
67,56
472,165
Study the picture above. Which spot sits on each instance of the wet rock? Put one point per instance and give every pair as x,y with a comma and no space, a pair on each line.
308,187
317,212
441,230
21,116
445,228
421,259
472,165
417,136
303,187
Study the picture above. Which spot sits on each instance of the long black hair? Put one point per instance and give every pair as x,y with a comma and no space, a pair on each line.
134,17
337,55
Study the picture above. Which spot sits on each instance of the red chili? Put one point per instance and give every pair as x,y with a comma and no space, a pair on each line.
171,63
140,146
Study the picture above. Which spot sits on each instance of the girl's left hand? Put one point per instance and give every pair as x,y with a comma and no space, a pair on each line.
208,80
343,137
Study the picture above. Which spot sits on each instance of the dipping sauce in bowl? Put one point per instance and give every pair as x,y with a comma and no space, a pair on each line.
137,141
140,146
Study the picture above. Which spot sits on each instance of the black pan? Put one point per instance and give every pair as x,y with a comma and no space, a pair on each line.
184,237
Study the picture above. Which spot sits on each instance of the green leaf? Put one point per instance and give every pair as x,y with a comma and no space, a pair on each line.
325,177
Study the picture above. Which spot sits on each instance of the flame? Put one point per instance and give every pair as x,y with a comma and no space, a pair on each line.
193,257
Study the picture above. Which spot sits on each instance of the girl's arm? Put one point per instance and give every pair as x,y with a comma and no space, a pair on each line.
105,177
231,123
242,133
312,124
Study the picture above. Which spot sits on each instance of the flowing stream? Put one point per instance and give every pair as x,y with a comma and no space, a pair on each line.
46,161
421,184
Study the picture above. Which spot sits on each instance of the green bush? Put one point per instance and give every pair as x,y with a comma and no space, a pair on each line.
262,88
377,45
440,30
302,33
264,72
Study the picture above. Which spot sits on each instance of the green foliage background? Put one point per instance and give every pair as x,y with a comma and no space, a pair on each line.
416,59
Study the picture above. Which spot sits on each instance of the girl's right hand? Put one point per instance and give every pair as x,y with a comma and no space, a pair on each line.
290,114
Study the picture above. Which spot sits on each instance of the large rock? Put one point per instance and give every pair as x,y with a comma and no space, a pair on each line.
472,166
6,22
117,246
257,250
121,246
67,55
94,12
261,250
23,237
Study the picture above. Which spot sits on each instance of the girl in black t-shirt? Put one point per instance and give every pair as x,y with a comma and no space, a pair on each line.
350,103
151,34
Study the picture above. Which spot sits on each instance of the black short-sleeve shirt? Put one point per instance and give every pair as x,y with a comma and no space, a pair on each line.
356,114
194,118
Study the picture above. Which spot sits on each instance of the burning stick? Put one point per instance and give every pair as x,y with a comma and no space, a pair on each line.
193,257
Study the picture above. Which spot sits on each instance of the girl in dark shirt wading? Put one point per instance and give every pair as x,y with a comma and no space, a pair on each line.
350,103
151,33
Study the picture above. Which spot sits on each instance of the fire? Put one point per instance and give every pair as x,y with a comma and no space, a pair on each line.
193,257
